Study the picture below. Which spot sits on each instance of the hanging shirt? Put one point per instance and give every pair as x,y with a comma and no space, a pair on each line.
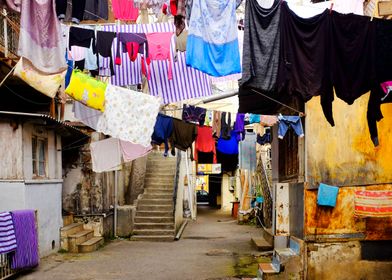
7,233
228,146
97,10
194,114
212,45
216,124
160,43
254,118
260,59
81,37
106,155
205,142
132,43
183,136
104,46
248,152
129,115
125,10
239,127
163,129
132,151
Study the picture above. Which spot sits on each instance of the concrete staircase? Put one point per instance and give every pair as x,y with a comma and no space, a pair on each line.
75,239
287,263
154,220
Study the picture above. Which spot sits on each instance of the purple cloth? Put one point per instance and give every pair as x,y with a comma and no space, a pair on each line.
239,127
26,255
194,114
7,233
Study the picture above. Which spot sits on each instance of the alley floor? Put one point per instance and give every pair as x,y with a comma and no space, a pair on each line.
213,247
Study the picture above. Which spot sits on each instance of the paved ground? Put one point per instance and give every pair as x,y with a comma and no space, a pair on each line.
213,247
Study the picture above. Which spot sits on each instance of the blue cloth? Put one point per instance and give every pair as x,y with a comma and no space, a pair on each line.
327,195
163,129
230,146
212,44
69,70
266,138
253,118
285,122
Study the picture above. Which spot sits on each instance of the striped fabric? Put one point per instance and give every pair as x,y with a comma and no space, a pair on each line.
187,82
7,233
373,203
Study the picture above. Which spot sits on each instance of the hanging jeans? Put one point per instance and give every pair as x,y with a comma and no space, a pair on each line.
77,9
285,122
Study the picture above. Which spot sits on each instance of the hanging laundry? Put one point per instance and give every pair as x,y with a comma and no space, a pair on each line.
179,17
26,254
133,44
327,195
205,158
267,120
225,125
40,38
104,46
208,118
216,124
163,129
82,37
7,233
181,41
212,45
351,55
86,115
261,46
369,203
154,5
91,62
285,122
132,151
248,152
160,43
230,146
304,61
193,114
254,118
96,10
45,83
78,7
205,142
239,127
183,136
70,64
229,163
87,90
125,10
129,115
383,50
265,139
106,155
77,53
14,5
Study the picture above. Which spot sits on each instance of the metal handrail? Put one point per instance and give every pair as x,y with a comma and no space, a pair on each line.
176,180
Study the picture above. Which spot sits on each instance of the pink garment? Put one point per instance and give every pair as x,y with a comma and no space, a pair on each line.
12,4
267,120
131,151
77,53
159,49
125,10
106,155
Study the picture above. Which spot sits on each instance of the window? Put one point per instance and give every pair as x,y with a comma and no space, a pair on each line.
39,152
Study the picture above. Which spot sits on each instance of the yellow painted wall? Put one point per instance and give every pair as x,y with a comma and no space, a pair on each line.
344,155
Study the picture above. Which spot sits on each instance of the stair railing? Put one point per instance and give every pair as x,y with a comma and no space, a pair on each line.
176,180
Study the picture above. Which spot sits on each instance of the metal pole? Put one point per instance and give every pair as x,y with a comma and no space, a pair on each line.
115,202
190,188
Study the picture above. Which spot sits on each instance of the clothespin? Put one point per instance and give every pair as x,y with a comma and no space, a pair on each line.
301,114
331,7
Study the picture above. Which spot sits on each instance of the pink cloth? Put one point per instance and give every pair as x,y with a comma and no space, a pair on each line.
125,10
106,155
268,120
78,53
131,151
159,49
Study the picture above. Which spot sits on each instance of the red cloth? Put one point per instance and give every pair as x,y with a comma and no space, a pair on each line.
204,141
124,10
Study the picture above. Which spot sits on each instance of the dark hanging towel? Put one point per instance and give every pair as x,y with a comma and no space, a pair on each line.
81,37
304,60
205,157
104,46
183,136
194,114
78,7
352,55
96,10
228,162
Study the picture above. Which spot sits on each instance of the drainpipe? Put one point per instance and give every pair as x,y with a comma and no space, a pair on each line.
115,203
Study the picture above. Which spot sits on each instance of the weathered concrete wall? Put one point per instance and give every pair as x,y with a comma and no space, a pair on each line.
182,177
330,261
11,152
340,222
125,220
102,225
12,195
136,179
344,155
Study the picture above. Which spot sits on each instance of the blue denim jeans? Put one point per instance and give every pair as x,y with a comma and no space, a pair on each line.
285,122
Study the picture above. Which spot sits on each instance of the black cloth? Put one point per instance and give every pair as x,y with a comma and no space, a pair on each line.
104,46
205,157
81,37
80,64
183,136
304,59
265,139
352,55
78,7
225,126
228,162
96,10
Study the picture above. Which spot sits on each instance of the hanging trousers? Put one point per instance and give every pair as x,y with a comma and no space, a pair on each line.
77,8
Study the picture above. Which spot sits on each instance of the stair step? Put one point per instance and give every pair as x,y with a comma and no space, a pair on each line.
159,174
152,202
163,226
163,181
91,245
159,191
155,208
261,244
159,187
78,238
139,219
161,168
267,268
153,232
284,254
157,196
71,229
141,213
157,238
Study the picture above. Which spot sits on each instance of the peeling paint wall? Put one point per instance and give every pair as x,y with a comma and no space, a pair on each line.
11,149
344,155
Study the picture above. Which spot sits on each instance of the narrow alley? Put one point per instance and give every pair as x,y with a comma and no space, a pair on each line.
213,247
